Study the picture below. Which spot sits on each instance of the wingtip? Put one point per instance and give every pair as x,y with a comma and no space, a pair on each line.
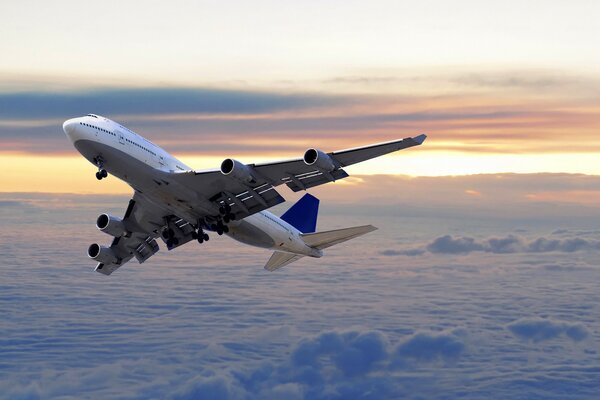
420,139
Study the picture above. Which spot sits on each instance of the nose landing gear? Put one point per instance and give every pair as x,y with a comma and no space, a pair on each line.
101,174
99,161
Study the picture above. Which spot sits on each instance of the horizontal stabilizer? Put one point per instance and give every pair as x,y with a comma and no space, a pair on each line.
323,240
280,259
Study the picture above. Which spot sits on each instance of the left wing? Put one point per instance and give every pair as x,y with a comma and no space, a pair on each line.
144,221
248,189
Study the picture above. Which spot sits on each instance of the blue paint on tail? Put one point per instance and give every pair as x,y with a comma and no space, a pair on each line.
303,214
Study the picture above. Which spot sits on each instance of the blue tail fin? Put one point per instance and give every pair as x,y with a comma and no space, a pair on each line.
303,214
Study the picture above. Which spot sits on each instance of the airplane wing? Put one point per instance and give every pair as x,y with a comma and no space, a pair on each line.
248,189
144,222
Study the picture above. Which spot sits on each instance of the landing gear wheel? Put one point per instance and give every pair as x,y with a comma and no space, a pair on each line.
206,237
226,219
103,173
219,231
200,239
99,176
222,210
169,243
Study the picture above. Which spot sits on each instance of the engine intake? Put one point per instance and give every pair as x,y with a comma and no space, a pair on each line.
101,254
111,225
319,159
237,171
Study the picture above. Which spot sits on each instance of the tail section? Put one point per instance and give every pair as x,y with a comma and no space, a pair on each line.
318,240
303,214
323,240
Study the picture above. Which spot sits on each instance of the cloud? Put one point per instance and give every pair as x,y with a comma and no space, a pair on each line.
407,252
333,365
431,347
148,101
540,329
448,244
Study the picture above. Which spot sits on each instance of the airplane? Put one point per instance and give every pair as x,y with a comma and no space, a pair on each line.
176,204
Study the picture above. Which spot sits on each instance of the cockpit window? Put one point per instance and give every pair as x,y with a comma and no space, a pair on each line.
92,115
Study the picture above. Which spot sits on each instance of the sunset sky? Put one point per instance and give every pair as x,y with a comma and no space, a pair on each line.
481,282
502,87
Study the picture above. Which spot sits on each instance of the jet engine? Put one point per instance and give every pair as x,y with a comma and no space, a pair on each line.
319,159
237,170
101,254
111,225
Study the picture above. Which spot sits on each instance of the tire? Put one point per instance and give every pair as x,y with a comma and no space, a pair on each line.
104,173
206,237
98,176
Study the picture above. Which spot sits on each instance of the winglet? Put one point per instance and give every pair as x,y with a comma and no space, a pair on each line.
420,139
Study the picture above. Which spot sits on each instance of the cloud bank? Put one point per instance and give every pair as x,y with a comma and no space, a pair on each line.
541,329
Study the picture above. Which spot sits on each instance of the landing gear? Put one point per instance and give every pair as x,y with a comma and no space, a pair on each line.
169,236
101,174
225,211
99,161
203,238
219,227
200,235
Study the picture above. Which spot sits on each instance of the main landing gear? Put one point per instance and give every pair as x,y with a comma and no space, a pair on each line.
227,215
200,235
99,161
169,235
220,227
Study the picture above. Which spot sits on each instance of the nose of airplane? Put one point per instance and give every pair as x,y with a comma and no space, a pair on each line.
69,128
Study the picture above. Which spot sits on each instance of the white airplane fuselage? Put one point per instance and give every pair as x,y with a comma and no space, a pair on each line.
146,167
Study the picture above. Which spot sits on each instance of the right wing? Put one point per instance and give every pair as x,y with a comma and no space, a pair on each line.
254,189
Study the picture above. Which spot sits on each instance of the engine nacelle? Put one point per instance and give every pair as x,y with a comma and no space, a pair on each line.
111,225
319,159
237,171
101,254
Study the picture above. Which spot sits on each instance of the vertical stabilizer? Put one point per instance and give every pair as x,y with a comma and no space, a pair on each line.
303,214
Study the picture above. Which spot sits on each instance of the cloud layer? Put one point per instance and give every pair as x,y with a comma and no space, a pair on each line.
448,244
208,322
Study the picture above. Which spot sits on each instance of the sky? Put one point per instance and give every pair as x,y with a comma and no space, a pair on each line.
481,281
504,87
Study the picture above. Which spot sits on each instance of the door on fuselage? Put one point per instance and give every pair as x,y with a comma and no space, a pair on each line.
121,137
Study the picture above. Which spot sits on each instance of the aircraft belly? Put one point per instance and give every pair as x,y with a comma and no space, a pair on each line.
245,232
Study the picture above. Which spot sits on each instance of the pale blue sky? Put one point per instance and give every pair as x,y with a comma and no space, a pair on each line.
266,41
